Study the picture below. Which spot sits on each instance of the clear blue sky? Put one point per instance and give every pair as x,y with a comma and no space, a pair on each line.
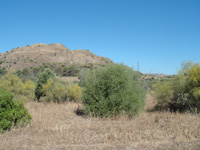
160,34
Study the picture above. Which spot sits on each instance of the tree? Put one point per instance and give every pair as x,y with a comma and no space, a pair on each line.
42,79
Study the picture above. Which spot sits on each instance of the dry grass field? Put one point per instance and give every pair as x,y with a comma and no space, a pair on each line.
57,127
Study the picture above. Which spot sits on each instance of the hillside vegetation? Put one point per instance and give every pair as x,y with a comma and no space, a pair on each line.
35,57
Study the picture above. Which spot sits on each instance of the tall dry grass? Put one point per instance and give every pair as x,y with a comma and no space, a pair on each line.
57,127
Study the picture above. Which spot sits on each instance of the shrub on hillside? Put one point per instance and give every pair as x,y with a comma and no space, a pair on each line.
21,89
2,72
112,90
12,113
42,79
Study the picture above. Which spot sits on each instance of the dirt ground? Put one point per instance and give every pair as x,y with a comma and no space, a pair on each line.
58,127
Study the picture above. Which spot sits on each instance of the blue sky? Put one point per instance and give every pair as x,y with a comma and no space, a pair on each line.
160,34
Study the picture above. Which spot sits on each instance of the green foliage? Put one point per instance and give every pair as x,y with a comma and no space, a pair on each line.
112,90
21,89
74,92
42,79
164,92
12,113
18,73
192,88
167,93
54,91
25,73
186,84
57,91
2,71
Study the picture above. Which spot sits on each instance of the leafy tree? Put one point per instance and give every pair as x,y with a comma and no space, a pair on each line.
112,90
42,79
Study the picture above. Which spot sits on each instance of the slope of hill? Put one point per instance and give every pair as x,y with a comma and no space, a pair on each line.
35,55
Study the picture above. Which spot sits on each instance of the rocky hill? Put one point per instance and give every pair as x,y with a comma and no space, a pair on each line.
31,56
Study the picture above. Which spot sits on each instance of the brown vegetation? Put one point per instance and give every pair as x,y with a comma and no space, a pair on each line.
57,127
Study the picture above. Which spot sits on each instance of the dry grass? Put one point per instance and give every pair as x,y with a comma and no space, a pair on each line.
57,127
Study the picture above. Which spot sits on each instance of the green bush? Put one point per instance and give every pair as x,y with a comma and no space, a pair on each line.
2,72
112,90
21,89
74,92
12,113
57,91
182,92
192,87
167,93
54,91
42,79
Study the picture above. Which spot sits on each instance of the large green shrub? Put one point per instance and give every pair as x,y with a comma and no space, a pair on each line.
192,87
167,93
12,113
182,92
42,79
112,90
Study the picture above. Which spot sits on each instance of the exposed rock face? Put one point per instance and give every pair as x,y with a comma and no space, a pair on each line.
38,54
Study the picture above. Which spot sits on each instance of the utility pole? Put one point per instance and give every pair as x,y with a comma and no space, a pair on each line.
138,66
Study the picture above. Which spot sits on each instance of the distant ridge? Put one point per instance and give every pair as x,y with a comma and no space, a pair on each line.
57,54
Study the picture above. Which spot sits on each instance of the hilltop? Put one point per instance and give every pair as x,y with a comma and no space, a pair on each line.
31,56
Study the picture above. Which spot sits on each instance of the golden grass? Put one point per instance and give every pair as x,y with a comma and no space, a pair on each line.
57,127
